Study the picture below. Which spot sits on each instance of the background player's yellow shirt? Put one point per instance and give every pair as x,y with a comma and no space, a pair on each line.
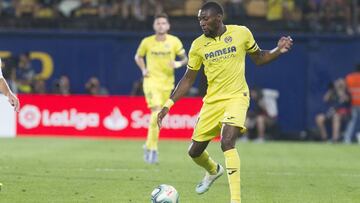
158,55
224,62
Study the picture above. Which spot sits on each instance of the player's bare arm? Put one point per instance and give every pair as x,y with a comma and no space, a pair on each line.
261,57
140,62
181,89
184,84
183,61
4,88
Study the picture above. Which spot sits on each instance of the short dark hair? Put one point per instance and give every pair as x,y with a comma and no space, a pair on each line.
214,6
161,15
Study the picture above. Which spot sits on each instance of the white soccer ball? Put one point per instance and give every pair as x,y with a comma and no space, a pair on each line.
164,194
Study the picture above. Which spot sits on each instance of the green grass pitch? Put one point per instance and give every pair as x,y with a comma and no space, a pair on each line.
90,170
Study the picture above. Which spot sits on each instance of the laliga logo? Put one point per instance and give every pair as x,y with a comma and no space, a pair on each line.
115,121
29,116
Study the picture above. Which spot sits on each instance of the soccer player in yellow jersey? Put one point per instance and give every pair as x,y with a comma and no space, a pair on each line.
160,51
222,50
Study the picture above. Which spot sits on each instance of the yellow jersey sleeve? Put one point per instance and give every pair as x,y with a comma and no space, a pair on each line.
250,44
178,47
142,49
195,60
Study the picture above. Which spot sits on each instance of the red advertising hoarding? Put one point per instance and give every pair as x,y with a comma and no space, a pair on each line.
101,116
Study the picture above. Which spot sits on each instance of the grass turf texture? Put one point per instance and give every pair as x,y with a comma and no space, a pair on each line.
82,170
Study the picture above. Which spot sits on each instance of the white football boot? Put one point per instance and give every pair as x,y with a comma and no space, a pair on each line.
206,182
146,154
153,157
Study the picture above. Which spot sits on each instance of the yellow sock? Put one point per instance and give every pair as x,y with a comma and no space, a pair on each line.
153,132
232,161
206,162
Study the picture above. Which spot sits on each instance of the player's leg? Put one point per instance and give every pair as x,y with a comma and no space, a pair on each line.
148,98
206,129
150,148
151,145
158,98
153,135
232,160
201,157
233,127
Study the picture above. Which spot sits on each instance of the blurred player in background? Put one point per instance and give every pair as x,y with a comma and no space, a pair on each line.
160,51
222,50
4,88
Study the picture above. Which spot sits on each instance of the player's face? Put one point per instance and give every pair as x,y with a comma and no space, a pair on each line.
209,22
161,26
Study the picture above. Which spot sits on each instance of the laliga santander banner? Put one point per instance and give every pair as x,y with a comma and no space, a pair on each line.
101,116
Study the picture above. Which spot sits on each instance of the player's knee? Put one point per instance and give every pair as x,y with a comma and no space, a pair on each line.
227,143
193,153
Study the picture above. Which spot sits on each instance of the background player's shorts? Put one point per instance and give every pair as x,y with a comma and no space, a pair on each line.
213,115
155,96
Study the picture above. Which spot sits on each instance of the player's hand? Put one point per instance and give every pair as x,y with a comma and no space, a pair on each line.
145,73
161,115
14,101
285,44
175,64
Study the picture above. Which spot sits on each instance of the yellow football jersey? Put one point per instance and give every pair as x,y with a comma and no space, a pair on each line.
158,55
224,62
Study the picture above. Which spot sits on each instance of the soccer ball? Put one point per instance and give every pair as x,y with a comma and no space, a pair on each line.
164,194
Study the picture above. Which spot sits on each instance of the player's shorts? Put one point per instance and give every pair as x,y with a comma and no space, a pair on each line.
155,97
213,115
